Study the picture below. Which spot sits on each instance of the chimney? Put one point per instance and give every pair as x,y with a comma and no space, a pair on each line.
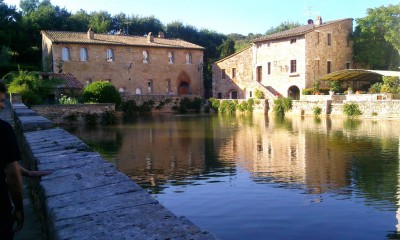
319,20
310,22
161,34
150,37
90,34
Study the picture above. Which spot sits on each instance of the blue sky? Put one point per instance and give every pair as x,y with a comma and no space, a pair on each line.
228,16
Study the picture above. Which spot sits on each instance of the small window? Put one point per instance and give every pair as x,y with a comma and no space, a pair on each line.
251,94
347,65
146,57
233,72
317,37
168,86
171,57
223,75
293,66
110,55
150,86
329,39
219,95
269,68
293,41
259,74
83,54
328,67
65,54
188,58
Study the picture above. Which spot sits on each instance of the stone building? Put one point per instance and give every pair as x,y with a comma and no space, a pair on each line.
286,62
135,64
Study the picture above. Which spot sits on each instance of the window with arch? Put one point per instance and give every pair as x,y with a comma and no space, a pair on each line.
110,55
83,54
65,54
146,56
171,57
189,58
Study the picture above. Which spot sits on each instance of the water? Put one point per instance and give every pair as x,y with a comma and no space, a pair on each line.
260,177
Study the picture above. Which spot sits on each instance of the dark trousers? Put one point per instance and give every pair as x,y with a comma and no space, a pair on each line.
6,227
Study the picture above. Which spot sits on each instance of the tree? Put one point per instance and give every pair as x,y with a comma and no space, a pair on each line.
100,22
79,21
227,47
282,27
101,92
376,38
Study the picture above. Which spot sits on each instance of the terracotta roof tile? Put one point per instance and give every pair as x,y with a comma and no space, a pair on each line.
122,40
296,31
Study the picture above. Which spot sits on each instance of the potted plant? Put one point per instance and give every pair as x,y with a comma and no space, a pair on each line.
349,90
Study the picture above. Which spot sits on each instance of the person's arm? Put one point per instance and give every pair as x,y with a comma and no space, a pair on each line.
14,181
33,174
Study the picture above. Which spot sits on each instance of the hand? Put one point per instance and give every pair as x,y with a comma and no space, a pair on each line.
37,174
19,219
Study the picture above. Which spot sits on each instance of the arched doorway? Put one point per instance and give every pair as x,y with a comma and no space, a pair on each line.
294,93
183,83
233,94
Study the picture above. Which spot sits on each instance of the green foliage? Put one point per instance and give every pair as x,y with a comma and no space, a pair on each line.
376,38
32,89
67,100
129,107
375,88
214,103
101,92
390,84
307,91
282,27
227,47
317,110
351,109
186,104
282,105
259,94
335,85
227,106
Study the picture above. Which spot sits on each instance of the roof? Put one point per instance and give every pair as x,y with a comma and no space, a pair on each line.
119,40
70,81
234,54
358,75
297,31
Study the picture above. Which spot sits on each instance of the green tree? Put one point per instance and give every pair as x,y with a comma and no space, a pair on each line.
101,92
376,38
227,47
100,22
282,27
79,21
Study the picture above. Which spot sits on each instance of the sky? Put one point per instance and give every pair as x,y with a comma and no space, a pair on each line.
228,16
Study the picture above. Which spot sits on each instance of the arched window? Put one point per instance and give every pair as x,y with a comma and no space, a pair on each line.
65,54
138,91
84,54
110,55
171,57
189,58
145,56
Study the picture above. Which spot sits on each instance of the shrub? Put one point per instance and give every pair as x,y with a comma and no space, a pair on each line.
259,94
215,103
67,100
307,91
351,109
129,107
282,105
101,92
227,106
317,110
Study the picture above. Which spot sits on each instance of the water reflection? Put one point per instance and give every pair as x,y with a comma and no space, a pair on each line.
330,160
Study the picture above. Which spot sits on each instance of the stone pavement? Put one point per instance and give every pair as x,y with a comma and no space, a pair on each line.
31,230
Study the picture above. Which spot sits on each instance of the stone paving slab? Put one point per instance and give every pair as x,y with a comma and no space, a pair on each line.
86,197
34,123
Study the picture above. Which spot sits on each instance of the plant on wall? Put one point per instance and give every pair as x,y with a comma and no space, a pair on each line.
351,109
282,105
259,94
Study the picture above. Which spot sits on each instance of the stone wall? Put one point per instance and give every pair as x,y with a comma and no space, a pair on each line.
58,113
379,109
85,196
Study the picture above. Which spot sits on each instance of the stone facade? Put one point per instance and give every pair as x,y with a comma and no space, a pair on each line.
284,63
140,65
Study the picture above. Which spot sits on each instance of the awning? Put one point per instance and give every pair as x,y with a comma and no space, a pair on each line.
359,75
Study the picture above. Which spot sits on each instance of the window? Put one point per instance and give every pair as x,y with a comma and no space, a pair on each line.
347,65
328,67
171,57
150,86
293,66
146,56
329,39
110,55
317,37
219,95
251,94
84,54
269,68
168,86
65,54
223,75
259,73
188,58
293,41
233,72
